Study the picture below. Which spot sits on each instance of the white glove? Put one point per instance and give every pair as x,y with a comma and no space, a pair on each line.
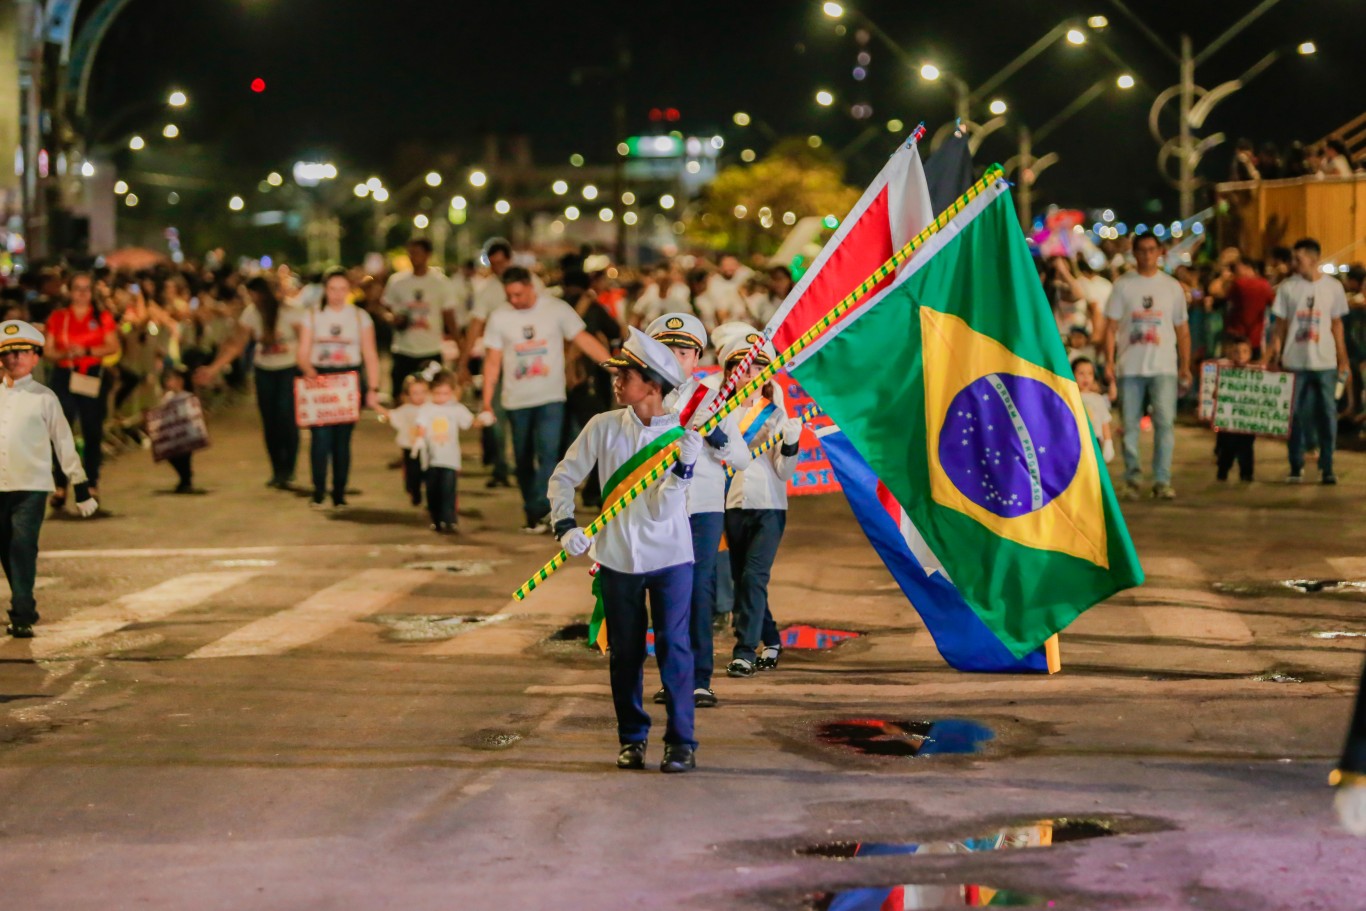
575,542
689,447
1107,451
1350,802
87,507
778,398
486,419
791,430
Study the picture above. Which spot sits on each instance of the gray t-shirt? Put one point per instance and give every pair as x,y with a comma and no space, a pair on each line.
1146,310
532,342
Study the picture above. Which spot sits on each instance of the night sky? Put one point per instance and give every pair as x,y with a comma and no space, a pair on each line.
356,80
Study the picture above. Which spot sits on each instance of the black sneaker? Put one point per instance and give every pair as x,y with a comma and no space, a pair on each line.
703,698
1296,476
632,756
740,668
661,697
497,482
317,503
768,658
20,630
1329,478
678,758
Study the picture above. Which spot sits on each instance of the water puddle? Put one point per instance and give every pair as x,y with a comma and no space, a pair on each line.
1337,634
456,567
423,627
802,636
880,737
491,739
907,896
1041,834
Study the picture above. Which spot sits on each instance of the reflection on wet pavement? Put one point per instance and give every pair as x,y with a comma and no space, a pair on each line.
880,737
909,896
1042,834
802,636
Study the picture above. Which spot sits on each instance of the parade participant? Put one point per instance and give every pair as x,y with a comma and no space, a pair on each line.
487,296
173,382
412,396
1096,404
524,348
81,337
1231,446
437,444
694,400
646,550
275,327
1350,776
756,512
422,300
337,338
32,430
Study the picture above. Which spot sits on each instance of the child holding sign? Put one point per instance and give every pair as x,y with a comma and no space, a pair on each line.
1230,446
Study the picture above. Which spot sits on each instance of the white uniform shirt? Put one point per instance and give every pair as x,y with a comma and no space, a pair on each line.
1146,309
32,427
532,342
440,426
283,353
423,300
653,533
1311,308
707,492
763,485
337,336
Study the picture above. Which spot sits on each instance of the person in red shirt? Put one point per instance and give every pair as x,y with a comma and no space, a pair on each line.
1249,297
79,337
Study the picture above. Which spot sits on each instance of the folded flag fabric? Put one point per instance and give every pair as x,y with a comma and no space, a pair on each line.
956,390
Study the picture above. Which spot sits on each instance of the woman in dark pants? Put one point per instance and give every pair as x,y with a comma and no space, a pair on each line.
275,327
339,337
80,336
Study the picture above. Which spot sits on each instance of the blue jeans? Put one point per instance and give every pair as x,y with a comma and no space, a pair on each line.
1316,411
1160,392
706,539
21,518
623,600
536,447
754,536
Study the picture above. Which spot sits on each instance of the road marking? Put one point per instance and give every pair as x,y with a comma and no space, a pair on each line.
1349,567
317,616
150,604
1203,625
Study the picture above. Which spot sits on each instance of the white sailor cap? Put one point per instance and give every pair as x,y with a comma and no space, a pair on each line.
17,334
723,334
644,353
738,346
679,330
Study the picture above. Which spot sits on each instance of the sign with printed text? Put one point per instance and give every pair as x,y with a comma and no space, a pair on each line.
1254,400
322,401
177,428
1209,378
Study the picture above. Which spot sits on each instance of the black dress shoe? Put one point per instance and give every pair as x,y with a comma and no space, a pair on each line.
678,758
661,697
20,630
632,756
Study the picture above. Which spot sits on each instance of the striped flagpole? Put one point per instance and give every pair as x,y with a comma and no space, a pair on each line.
993,174
810,414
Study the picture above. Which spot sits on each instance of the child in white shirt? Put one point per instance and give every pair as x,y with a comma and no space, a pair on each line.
1097,405
438,444
404,421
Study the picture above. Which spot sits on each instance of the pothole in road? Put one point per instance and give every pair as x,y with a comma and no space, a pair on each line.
1327,586
574,632
1337,634
456,567
1258,589
882,737
1291,675
492,739
802,636
423,627
924,895
1041,834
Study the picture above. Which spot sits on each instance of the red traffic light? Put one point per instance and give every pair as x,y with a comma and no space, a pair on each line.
258,85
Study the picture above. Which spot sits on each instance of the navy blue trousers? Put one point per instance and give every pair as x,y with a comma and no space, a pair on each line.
706,539
623,598
441,483
21,518
754,536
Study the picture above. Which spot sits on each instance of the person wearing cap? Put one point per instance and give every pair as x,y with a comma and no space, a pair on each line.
647,549
694,401
32,429
756,510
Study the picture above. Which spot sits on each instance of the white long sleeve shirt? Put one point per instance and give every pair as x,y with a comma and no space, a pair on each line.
32,427
763,485
650,534
707,492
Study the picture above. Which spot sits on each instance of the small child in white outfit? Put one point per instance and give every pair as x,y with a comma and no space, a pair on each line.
438,445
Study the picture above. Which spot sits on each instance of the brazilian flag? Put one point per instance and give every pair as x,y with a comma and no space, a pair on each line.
955,388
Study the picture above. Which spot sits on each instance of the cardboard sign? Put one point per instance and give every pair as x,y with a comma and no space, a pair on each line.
1254,400
1209,378
177,428
332,398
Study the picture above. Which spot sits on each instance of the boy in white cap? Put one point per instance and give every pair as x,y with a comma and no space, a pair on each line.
694,402
647,548
756,512
32,428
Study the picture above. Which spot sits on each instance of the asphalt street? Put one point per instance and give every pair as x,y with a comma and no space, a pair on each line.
234,702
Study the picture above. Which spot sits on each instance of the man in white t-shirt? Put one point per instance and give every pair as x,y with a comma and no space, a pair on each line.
423,304
1148,349
488,297
524,347
1308,340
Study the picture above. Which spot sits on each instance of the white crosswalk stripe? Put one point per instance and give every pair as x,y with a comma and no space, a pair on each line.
155,603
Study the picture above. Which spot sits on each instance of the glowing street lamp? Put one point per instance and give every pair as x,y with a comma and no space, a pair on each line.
478,178
361,190
120,187
824,98
380,195
433,179
275,179
420,221
666,201
929,72
87,169
1076,37
833,10
1307,48
559,187
590,192
137,143
170,131
237,204
178,99
502,207
741,119
997,107
1125,81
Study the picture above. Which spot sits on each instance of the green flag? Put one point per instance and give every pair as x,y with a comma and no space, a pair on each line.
956,389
